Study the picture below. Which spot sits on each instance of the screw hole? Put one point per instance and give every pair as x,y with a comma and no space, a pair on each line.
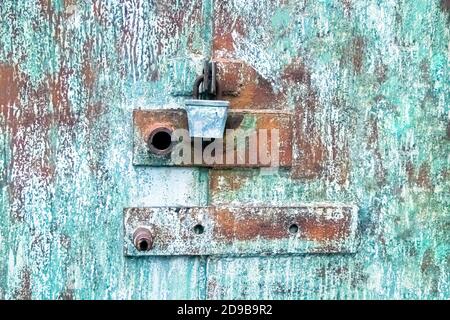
293,228
199,229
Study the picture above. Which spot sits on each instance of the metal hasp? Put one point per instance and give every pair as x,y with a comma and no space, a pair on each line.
243,231
155,145
207,118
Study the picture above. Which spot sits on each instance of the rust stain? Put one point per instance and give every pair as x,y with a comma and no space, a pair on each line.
174,19
296,72
317,230
308,144
100,13
69,8
311,156
46,7
372,141
59,90
93,139
226,180
94,111
445,173
231,226
223,42
29,126
127,36
285,136
430,269
256,92
423,177
245,87
175,14
19,119
445,5
145,121
320,228
87,69
154,75
56,19
212,286
358,49
323,230
230,76
10,82
24,293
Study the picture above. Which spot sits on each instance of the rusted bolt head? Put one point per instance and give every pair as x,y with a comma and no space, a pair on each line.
143,239
160,141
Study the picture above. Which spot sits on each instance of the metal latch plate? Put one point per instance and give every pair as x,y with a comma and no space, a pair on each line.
238,231
264,123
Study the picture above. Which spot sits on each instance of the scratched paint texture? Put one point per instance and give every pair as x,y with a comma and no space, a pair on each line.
368,82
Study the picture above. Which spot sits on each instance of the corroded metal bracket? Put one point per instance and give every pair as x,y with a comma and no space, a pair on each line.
240,231
152,145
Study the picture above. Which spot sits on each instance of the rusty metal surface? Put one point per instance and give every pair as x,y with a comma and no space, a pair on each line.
145,121
243,231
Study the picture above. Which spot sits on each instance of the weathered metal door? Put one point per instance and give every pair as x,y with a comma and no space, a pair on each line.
359,88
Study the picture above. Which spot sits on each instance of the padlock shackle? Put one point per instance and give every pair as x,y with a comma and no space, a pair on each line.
199,81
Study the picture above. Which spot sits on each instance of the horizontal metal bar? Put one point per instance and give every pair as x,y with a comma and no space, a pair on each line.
244,123
240,231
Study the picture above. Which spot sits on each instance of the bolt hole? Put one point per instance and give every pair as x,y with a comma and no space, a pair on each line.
143,245
293,228
199,229
160,141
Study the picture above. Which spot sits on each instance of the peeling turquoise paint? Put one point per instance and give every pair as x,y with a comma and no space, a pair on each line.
71,72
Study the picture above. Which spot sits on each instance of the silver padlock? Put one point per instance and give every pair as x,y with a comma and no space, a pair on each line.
207,118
